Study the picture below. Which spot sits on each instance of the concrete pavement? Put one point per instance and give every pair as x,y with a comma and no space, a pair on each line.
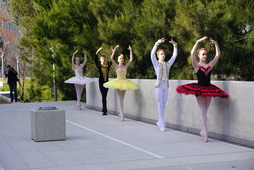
103,142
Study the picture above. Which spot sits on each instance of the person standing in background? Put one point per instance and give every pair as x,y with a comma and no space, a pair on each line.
11,74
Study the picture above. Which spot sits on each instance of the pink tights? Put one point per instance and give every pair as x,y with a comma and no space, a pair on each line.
204,103
79,90
121,94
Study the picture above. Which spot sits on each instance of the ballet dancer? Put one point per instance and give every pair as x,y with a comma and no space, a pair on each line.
162,69
79,80
121,83
203,90
103,68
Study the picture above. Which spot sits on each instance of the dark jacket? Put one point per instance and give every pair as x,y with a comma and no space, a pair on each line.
12,76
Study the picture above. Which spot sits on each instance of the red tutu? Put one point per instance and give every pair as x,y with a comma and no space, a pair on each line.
198,90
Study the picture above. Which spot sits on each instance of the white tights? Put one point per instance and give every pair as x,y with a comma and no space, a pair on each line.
79,90
204,103
121,94
161,93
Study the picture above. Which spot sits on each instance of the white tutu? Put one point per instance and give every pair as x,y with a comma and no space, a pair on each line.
79,80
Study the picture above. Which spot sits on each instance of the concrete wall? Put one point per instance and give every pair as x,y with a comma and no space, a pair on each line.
230,119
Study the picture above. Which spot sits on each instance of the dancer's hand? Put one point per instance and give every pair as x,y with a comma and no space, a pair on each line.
173,42
162,40
213,42
75,52
202,39
129,48
116,48
84,51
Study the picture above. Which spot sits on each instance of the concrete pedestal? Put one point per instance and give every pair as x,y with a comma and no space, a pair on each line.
48,125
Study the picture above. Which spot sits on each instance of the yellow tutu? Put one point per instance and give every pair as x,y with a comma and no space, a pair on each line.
121,82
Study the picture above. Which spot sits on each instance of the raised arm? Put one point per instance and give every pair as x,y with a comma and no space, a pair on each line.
153,56
96,60
217,55
112,56
85,58
72,60
131,57
175,52
193,51
98,50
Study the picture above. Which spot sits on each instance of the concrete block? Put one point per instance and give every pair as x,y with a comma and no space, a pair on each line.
48,125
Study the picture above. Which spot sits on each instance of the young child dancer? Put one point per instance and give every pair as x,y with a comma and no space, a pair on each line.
203,90
79,80
162,72
121,83
103,68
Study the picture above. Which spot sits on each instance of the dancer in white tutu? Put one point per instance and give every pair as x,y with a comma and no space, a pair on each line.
79,80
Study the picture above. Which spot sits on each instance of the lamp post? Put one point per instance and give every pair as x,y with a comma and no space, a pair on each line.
17,58
54,76
2,54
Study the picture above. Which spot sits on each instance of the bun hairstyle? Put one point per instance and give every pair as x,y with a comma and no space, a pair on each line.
77,58
121,55
202,48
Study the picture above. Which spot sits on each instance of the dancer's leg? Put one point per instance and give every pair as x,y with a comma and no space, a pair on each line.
165,98
81,87
161,96
104,92
104,100
77,94
79,90
121,94
204,103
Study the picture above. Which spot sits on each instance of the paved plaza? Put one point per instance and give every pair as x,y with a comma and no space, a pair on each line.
99,142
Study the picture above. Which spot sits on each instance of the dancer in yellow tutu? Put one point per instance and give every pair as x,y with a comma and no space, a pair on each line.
121,83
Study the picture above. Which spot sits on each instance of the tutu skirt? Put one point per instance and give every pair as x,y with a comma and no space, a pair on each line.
198,90
121,84
79,80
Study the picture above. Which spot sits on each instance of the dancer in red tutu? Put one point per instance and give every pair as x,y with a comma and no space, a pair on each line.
203,90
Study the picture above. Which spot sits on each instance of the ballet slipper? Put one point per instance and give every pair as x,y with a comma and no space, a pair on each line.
205,139
79,107
162,128
121,117
201,134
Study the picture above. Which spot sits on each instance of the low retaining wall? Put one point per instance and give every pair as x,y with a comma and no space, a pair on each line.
230,119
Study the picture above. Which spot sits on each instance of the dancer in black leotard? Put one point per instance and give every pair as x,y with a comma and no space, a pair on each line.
203,90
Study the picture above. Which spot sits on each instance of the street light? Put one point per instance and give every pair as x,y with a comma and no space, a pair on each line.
53,50
54,76
17,62
2,55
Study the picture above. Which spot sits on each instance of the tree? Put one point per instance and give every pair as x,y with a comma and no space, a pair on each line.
69,25
10,35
